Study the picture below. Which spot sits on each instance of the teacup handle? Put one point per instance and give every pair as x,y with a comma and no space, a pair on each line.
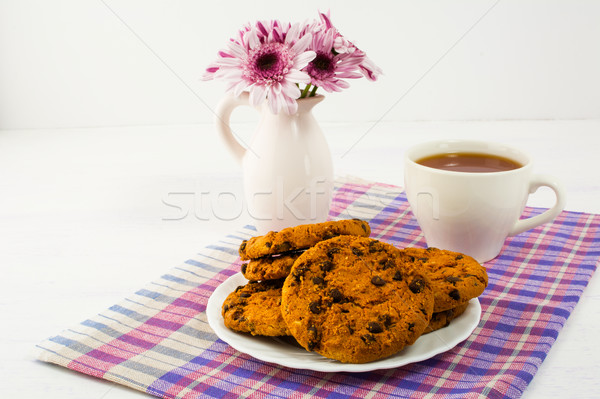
536,182
222,118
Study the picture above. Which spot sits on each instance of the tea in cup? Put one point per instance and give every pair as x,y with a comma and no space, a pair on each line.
468,196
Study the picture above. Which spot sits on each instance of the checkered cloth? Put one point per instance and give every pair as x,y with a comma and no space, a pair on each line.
158,340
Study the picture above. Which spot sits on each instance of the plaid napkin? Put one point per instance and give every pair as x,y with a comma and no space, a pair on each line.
158,340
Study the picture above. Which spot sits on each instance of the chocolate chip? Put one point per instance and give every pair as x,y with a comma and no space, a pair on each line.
364,226
313,338
397,276
350,329
453,279
357,251
315,307
318,280
454,294
417,285
268,244
375,246
459,257
336,295
374,327
225,308
245,295
299,271
326,266
377,281
411,326
329,234
332,251
284,246
244,267
388,264
243,246
238,316
385,319
367,338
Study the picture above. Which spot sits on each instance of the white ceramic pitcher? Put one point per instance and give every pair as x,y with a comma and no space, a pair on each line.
287,167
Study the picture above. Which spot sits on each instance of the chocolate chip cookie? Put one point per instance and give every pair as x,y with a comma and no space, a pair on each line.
353,299
300,237
440,320
270,267
255,308
456,278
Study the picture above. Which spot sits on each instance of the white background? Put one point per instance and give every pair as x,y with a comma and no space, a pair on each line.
88,63
103,117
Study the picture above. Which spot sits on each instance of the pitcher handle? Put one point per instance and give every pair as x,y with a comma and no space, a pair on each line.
222,118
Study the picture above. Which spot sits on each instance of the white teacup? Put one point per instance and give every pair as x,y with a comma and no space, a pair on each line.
473,212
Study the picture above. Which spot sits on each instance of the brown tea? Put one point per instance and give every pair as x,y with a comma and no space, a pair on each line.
469,162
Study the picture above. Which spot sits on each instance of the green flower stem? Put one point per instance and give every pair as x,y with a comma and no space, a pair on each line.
305,91
314,91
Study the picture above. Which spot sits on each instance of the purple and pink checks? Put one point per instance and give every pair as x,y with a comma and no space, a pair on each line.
158,340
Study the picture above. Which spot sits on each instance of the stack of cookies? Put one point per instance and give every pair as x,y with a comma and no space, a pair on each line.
346,296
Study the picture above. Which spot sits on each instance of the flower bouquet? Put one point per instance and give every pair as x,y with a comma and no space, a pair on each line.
287,167
281,62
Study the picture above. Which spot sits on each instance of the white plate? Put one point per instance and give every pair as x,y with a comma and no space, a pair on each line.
285,353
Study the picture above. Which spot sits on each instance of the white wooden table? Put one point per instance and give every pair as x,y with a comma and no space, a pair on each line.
88,216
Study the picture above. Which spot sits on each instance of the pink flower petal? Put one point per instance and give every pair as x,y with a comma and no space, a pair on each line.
291,106
262,29
229,62
370,70
237,50
252,38
349,75
292,34
326,19
302,43
290,89
302,59
229,74
239,88
328,37
258,93
297,76
274,101
224,54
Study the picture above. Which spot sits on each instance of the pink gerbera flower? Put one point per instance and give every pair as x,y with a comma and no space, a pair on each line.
267,60
328,68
